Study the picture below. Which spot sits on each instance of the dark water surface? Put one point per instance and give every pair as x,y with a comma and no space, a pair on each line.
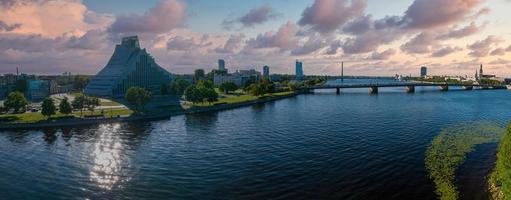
320,146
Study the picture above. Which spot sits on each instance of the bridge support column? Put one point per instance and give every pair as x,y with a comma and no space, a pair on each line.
410,89
373,90
468,87
338,90
444,88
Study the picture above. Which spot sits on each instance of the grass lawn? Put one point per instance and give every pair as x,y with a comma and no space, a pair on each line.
37,116
109,103
242,98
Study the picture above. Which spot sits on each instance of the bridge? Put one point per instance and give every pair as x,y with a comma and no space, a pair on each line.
409,86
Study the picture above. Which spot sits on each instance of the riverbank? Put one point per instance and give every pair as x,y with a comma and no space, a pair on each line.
499,184
112,119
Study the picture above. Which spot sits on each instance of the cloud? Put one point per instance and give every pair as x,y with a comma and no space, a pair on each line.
425,14
420,44
445,51
326,16
163,17
48,18
498,52
311,45
7,28
233,43
482,48
254,17
92,40
383,55
460,33
284,38
180,43
359,25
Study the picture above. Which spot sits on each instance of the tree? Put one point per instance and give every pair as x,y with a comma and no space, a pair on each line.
48,107
256,89
91,103
178,87
138,97
211,95
192,94
228,87
79,102
16,101
65,106
199,74
80,81
205,84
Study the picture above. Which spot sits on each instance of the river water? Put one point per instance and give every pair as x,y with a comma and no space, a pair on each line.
316,146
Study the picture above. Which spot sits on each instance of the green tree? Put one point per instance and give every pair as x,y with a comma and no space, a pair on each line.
192,94
79,102
205,84
16,101
65,106
91,103
80,81
292,86
48,107
178,86
228,87
199,74
211,95
256,89
138,97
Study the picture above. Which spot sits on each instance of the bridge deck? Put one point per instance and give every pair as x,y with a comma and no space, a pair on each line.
369,85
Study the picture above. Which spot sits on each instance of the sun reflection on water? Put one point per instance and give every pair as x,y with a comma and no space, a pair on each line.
107,158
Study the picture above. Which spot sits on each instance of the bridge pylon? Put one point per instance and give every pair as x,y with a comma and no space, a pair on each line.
373,90
410,89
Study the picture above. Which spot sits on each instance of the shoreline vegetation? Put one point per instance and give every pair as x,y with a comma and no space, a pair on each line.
449,149
499,184
12,121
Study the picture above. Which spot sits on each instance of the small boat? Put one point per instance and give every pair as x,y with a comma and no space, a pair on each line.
508,87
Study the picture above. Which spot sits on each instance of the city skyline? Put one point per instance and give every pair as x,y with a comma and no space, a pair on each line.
371,37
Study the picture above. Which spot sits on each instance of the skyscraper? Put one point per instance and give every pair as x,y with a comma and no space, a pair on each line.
266,72
424,71
299,69
221,65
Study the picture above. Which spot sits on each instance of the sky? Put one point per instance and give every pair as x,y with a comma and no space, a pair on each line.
372,37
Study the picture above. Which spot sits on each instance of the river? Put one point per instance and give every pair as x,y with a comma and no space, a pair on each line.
315,146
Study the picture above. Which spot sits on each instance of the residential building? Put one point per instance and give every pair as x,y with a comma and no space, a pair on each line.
129,66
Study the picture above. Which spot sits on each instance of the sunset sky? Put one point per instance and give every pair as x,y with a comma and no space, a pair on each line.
372,37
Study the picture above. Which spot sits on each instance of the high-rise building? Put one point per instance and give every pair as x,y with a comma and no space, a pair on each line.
221,65
129,66
424,71
299,69
266,72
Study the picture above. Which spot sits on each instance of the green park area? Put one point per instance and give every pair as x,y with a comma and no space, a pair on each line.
33,117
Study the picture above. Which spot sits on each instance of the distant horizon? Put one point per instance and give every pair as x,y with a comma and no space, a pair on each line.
372,37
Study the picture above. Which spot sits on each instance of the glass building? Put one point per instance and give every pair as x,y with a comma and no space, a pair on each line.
129,66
